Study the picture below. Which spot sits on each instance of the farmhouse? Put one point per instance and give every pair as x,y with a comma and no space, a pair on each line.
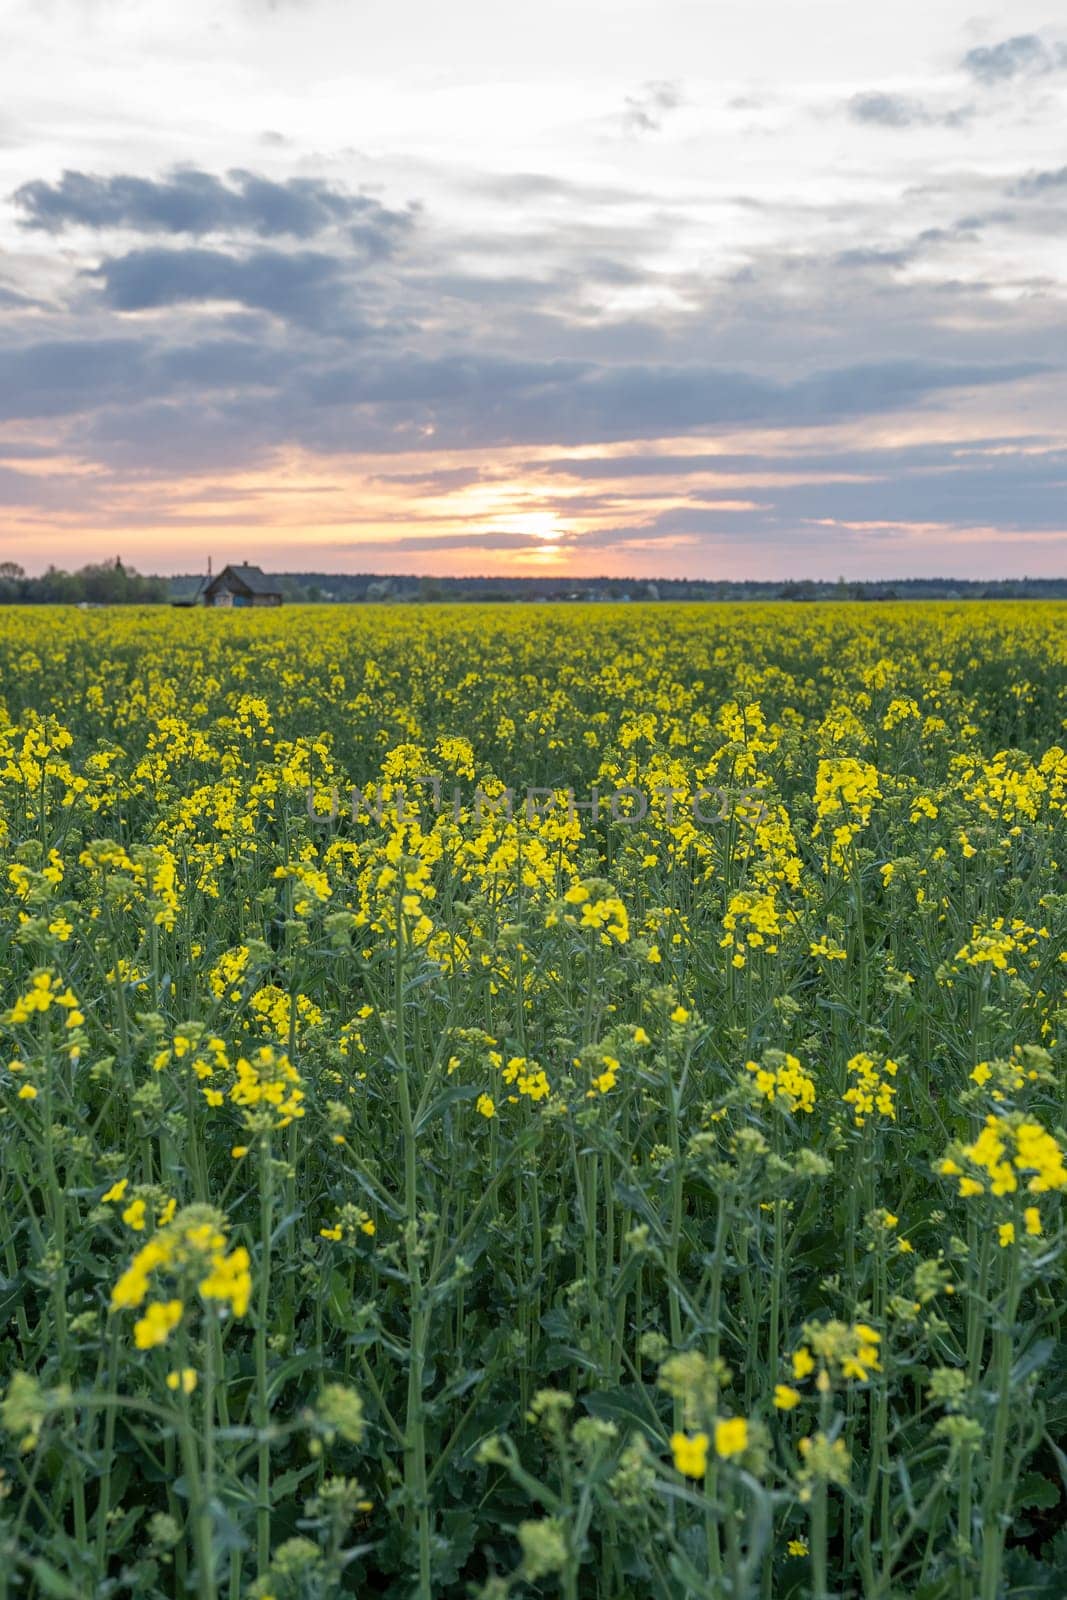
240,586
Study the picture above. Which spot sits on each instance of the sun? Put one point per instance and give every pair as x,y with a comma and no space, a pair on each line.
537,524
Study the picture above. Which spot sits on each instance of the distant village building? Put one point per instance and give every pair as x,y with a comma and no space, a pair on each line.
240,586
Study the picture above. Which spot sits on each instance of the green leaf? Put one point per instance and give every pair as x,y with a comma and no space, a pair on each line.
624,1406
54,1583
1036,1491
459,1091
1033,1359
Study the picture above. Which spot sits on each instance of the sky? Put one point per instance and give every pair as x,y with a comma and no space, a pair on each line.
679,288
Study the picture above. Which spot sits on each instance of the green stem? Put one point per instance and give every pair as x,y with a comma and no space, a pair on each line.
997,1508
103,1505
415,1427
262,1400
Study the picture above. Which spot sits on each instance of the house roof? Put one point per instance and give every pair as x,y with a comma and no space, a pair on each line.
252,579
186,591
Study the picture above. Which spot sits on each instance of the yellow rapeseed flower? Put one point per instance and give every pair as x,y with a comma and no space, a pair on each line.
731,1437
185,1380
158,1323
690,1454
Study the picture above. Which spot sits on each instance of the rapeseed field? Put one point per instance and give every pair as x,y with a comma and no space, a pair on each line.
534,1101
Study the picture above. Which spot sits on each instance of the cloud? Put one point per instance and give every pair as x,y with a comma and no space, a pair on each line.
532,187
24,450
252,346
888,110
471,539
877,461
210,364
888,385
1014,485
646,110
401,403
1041,183
1024,55
57,493
442,480
1011,492
59,377
467,401
587,317
301,286
872,256
196,202
11,300
903,111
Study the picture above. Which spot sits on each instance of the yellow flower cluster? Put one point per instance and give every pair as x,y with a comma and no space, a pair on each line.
600,911
1027,1066
189,1254
525,1077
845,791
751,922
782,1080
268,1082
228,973
848,1350
1010,1151
872,1090
999,944
46,990
272,1010
690,1451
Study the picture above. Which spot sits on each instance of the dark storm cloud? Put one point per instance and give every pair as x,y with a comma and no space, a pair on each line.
196,202
1024,55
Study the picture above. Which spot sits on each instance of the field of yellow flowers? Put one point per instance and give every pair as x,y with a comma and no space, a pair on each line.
533,1101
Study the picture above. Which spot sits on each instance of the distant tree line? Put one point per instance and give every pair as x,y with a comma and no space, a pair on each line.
114,583
104,583
409,589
